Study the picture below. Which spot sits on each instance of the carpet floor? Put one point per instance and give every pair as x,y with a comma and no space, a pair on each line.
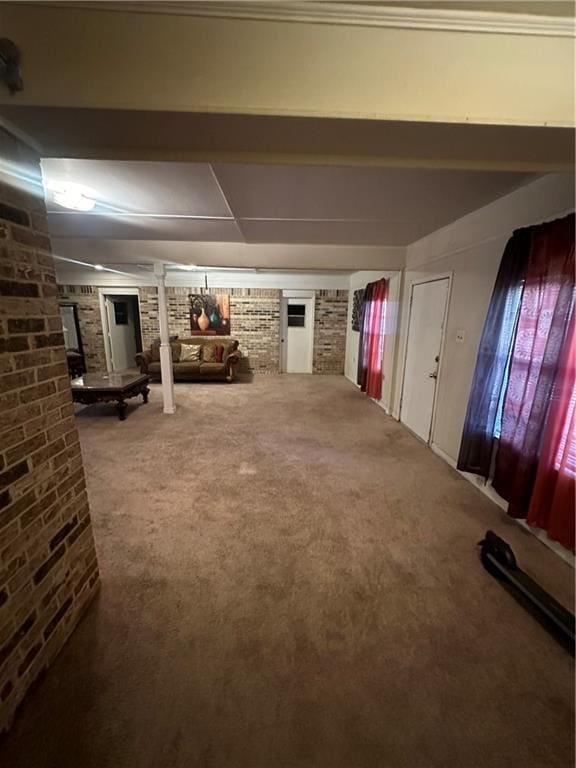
290,579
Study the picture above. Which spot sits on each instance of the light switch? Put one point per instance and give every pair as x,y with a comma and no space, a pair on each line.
460,336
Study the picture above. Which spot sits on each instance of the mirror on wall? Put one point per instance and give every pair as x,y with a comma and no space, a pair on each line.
72,340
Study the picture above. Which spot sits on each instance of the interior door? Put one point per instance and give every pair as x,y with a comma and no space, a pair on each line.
298,336
120,313
425,334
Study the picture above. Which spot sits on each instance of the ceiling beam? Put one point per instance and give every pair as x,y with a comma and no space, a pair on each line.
120,254
105,59
489,20
180,136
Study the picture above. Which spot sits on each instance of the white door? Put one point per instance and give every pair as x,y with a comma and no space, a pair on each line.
120,314
425,334
297,335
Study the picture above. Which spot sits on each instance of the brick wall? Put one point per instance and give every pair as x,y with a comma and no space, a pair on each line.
331,316
148,302
254,321
90,320
48,567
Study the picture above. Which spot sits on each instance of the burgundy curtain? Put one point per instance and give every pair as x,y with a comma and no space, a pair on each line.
493,356
371,345
554,499
542,326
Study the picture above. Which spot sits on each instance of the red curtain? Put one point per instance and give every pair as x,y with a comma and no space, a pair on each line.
372,338
545,311
553,500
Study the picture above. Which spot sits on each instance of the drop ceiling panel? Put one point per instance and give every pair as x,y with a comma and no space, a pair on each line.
274,204
82,225
386,194
332,232
141,187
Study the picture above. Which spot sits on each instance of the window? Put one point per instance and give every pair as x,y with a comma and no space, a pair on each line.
505,346
296,315
565,459
523,391
121,312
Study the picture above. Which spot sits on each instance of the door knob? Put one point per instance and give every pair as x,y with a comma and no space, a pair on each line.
433,375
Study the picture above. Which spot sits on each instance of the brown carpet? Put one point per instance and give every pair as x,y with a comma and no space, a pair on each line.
290,579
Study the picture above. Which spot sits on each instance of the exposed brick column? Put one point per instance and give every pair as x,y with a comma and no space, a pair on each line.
331,317
48,566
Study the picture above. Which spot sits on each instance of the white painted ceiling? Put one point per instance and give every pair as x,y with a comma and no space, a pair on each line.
257,204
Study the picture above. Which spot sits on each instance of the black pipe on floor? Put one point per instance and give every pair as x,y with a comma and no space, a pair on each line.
498,559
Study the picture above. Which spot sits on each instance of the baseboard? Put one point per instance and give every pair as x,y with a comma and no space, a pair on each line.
385,407
381,403
488,491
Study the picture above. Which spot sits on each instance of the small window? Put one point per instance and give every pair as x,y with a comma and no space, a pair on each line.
121,312
296,315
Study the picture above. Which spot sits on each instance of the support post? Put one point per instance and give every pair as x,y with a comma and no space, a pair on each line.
165,349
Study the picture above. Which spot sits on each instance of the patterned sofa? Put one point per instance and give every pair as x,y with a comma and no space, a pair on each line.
218,359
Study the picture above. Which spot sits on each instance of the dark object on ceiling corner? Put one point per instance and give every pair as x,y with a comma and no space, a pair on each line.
499,560
10,65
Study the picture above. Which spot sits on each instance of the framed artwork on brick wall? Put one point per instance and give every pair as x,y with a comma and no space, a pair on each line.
209,314
357,300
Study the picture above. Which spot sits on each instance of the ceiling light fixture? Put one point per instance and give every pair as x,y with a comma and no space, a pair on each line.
73,196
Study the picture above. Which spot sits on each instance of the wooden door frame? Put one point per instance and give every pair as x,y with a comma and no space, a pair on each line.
420,281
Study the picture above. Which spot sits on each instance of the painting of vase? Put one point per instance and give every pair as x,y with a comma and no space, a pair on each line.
209,314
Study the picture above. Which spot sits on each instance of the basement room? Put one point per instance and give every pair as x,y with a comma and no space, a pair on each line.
287,385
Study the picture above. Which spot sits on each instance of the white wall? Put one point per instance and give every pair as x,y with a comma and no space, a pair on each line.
471,249
360,280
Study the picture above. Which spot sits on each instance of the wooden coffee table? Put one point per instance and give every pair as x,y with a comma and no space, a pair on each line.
110,387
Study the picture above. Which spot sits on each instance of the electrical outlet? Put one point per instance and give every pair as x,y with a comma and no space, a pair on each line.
460,336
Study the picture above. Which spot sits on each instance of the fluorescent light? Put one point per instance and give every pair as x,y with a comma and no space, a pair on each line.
72,196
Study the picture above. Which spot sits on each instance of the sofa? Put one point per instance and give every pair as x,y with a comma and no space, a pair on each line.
201,370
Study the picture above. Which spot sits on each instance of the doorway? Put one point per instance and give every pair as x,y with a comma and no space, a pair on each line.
297,334
121,325
428,305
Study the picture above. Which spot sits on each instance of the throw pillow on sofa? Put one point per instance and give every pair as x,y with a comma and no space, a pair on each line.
212,353
189,353
175,347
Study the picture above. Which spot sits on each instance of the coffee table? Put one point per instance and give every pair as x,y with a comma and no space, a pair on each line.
110,387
